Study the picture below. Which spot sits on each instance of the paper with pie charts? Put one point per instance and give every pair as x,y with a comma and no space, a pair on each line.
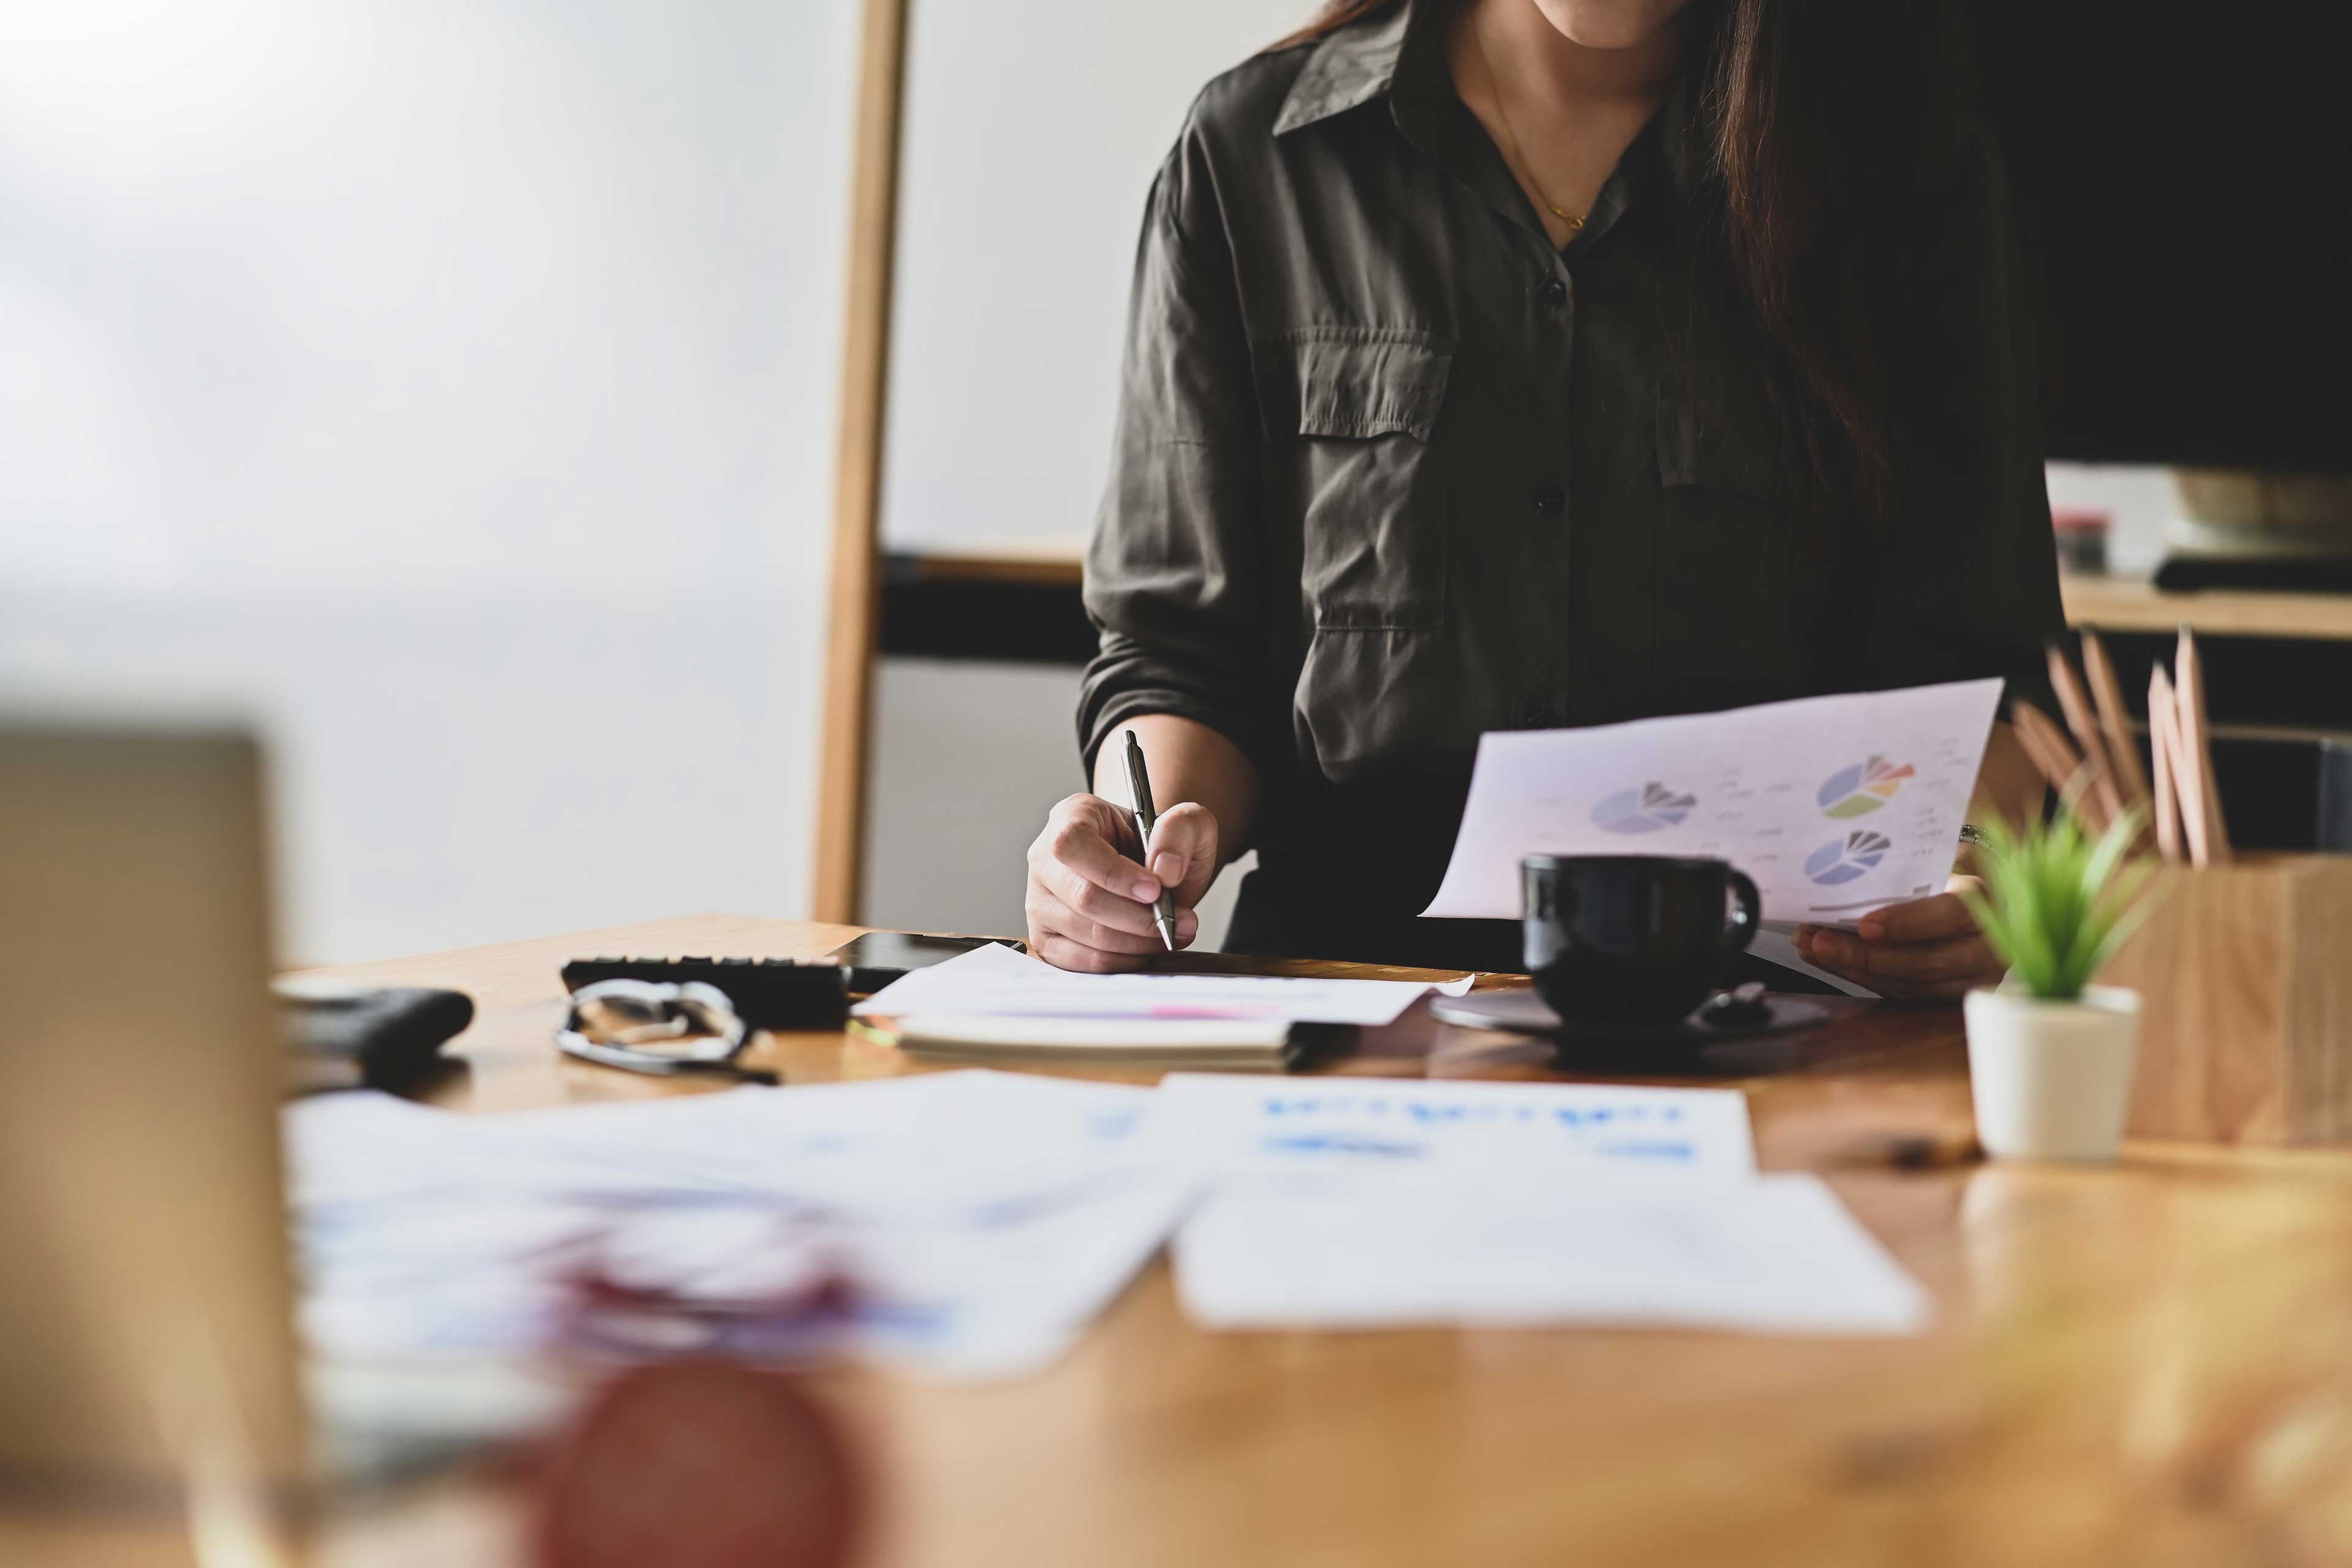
1835,805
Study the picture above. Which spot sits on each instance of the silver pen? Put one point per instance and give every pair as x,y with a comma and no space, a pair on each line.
1138,788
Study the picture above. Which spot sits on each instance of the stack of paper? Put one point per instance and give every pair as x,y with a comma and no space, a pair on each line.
974,1223
1353,1203
1227,1044
995,1003
965,1223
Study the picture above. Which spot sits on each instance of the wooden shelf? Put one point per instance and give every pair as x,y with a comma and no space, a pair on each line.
1038,564
1051,566
2134,604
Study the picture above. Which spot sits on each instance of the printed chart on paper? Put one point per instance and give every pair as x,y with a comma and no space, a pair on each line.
1835,805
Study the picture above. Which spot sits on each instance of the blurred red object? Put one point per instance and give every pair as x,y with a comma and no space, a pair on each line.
701,1464
2082,533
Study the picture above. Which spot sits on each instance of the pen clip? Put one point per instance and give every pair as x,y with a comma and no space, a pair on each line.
1139,782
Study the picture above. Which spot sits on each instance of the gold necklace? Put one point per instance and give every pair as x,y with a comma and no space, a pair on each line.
1519,155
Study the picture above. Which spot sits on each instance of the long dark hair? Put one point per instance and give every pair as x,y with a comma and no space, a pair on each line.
1814,114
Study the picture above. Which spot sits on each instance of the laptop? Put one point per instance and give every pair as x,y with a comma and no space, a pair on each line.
146,1318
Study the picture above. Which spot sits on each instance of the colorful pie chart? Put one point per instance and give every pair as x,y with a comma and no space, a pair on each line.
1863,788
1843,859
1642,810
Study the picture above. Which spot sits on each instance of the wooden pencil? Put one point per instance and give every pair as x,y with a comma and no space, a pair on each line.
2188,787
2107,693
2197,747
2046,744
2054,775
2160,749
2085,725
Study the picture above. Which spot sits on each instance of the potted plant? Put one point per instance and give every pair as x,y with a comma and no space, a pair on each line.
2051,1053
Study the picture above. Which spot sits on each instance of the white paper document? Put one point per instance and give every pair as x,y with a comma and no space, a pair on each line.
1777,944
1228,1126
1777,1255
962,1223
995,980
972,1224
1835,805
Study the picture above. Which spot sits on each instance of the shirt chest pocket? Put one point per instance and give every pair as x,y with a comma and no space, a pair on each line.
1371,491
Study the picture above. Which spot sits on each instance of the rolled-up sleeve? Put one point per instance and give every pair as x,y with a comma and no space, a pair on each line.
1175,577
1968,579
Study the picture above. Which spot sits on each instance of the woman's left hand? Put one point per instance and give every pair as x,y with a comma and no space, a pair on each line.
1929,949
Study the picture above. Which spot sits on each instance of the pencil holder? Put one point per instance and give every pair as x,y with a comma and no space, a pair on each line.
2245,975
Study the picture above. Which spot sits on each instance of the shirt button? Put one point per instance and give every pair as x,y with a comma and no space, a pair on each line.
1550,500
1555,293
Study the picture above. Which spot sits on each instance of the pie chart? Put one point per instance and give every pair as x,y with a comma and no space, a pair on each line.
1642,810
1863,788
1843,859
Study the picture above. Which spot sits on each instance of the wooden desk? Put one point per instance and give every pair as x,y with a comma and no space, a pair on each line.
2149,1364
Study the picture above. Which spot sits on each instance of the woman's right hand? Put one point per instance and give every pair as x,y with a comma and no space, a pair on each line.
1090,895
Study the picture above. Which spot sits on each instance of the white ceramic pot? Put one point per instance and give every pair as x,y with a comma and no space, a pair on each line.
2051,1079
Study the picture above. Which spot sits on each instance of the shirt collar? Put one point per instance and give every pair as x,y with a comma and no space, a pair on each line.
1401,52
1348,68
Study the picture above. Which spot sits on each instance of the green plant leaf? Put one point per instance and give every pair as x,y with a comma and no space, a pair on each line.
2058,902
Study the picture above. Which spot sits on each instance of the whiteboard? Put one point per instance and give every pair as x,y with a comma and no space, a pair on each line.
1030,137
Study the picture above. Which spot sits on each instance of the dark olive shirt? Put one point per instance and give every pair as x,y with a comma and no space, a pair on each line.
1390,471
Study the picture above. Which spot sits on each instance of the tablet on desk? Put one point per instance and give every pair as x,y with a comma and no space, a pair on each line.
879,957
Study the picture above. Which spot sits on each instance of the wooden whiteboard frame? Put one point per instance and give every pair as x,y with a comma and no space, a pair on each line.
854,601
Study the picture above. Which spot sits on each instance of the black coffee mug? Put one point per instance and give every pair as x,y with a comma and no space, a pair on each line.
1619,937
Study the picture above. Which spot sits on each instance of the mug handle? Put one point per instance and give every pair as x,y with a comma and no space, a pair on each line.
1742,929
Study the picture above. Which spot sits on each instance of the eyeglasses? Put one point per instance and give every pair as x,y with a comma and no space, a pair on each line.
639,1026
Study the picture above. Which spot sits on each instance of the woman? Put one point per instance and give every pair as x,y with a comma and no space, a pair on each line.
1535,363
